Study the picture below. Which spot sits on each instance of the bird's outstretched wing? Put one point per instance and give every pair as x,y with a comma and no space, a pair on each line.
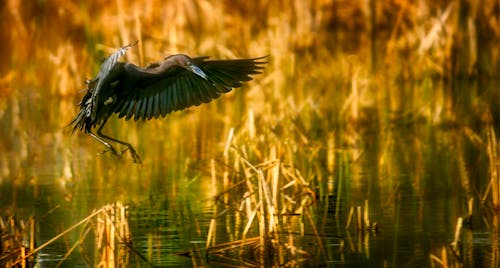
179,88
87,117
100,80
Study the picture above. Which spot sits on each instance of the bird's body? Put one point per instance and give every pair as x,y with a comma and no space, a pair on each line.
173,84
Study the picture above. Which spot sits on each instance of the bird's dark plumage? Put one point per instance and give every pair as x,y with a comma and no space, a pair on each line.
176,83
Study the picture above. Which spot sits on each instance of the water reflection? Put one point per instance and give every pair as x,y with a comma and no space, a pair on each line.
417,179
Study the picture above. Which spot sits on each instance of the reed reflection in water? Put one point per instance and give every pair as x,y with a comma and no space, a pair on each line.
358,145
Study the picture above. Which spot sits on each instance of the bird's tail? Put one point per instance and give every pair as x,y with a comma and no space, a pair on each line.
82,120
79,122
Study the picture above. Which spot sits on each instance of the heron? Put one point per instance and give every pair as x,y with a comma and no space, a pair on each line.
143,93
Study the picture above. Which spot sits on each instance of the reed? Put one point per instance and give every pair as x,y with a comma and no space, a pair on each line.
270,198
293,138
492,150
451,255
441,260
362,220
109,225
17,241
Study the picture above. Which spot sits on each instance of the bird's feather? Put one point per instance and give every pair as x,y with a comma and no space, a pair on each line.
153,92
176,83
179,89
106,67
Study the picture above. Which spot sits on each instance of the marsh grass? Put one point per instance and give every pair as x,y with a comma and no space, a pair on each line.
267,201
108,227
362,219
17,241
288,143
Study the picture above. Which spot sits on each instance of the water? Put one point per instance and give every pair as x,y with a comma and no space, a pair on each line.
353,110
412,175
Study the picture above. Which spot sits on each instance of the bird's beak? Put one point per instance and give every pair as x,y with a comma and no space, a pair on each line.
195,69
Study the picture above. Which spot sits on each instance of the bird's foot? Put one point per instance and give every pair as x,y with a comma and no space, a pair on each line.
112,150
133,153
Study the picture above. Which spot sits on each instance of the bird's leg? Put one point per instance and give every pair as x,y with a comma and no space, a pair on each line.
134,154
107,144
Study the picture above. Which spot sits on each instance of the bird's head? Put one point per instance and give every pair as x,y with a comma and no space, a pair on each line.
185,62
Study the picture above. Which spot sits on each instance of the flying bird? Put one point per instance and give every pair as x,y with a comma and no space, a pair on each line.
175,83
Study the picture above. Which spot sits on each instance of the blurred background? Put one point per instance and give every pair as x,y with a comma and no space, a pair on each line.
390,107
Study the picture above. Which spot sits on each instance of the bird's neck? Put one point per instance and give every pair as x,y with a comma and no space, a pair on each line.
169,64
136,71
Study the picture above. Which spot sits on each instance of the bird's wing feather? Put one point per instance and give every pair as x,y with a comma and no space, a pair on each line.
106,68
180,89
88,116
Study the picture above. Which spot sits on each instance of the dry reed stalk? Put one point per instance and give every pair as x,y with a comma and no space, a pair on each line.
359,219
462,168
274,222
275,176
106,233
32,234
124,229
252,196
116,232
495,246
107,242
213,177
330,162
262,221
493,187
33,250
470,208
100,235
250,220
211,233
23,257
238,220
83,221
233,244
75,245
251,125
494,166
349,218
458,230
363,222
365,216
225,176
269,213
433,35
443,261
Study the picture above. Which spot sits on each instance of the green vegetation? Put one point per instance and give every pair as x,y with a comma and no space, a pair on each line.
359,99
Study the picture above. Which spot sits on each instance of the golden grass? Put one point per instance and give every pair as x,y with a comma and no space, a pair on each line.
17,241
295,134
271,200
109,225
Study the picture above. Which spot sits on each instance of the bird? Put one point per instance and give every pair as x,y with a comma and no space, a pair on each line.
175,83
